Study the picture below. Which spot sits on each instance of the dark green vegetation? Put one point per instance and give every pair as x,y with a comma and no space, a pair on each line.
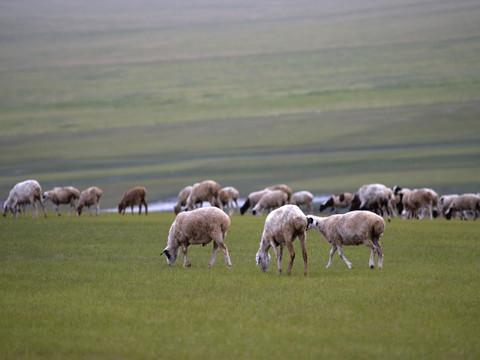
97,287
323,96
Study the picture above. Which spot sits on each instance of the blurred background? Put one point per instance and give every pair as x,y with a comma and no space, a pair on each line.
322,95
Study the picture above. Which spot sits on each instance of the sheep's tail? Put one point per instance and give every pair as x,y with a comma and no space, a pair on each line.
377,229
245,206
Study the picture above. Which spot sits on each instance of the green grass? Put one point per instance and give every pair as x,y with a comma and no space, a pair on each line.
97,287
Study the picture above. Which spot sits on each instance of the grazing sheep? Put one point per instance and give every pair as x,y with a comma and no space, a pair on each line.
303,198
24,193
338,201
353,228
376,198
444,203
227,196
197,227
204,191
62,195
282,227
182,199
286,189
252,199
132,197
270,200
463,203
415,201
89,197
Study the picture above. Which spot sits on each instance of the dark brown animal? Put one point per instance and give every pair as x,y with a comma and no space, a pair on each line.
132,197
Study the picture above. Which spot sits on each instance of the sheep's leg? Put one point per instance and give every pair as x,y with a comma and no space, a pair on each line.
340,252
291,250
379,251
186,262
35,210
332,252
97,212
373,250
278,256
43,207
146,207
302,237
55,207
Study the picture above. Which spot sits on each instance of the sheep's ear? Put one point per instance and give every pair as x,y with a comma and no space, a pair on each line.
167,254
309,220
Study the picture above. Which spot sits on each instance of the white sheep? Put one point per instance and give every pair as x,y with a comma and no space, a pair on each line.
62,195
24,193
89,197
132,197
375,197
252,199
204,191
282,227
303,198
415,201
270,200
182,199
444,203
353,228
285,188
338,201
197,227
227,197
463,203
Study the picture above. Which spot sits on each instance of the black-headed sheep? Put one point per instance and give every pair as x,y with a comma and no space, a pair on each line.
182,199
89,197
463,203
24,193
62,195
227,197
204,191
198,227
252,199
303,198
132,197
338,201
353,228
282,227
269,201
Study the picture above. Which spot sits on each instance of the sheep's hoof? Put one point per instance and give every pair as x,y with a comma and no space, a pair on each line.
371,266
187,265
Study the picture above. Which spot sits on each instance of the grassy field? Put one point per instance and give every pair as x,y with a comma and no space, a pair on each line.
97,287
323,96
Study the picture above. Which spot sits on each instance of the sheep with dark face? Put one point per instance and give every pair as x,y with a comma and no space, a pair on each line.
338,201
62,195
132,197
282,227
89,197
198,227
252,199
463,203
22,194
353,228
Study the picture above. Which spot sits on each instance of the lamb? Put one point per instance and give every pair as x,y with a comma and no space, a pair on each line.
196,227
89,197
338,201
282,227
462,203
270,200
228,196
303,198
24,193
204,191
182,199
62,195
252,199
352,228
132,197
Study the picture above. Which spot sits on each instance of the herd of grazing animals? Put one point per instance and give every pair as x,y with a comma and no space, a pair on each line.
363,223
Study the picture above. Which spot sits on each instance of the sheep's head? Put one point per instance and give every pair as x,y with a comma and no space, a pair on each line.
5,209
263,260
310,223
120,207
171,255
45,196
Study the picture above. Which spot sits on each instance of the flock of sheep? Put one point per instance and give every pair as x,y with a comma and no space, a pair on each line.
194,224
